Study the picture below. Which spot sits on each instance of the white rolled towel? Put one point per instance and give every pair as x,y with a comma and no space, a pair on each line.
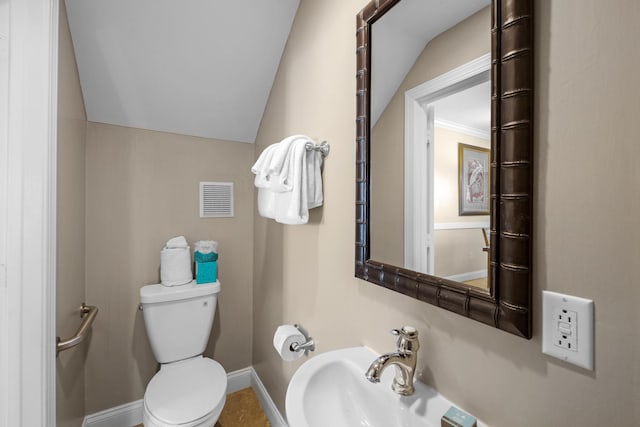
175,263
177,242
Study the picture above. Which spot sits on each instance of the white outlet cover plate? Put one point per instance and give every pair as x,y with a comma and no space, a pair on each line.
552,303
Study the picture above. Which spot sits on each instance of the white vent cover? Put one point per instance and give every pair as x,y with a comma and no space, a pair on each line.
216,199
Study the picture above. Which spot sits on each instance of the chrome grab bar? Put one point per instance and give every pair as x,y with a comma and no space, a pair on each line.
91,312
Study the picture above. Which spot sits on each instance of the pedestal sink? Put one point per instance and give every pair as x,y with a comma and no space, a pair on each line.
330,390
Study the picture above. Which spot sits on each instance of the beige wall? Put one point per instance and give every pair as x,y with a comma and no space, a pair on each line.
458,252
71,232
466,41
586,242
142,189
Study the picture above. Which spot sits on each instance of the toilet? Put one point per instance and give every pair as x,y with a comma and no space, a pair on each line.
190,389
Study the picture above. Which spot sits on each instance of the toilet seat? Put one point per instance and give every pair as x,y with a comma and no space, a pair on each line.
148,420
188,393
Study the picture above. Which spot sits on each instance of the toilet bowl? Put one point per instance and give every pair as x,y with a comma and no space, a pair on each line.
189,390
186,393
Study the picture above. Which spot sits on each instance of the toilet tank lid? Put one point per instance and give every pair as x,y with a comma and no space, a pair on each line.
159,293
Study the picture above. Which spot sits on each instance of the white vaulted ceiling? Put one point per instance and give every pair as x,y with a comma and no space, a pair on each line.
400,36
194,67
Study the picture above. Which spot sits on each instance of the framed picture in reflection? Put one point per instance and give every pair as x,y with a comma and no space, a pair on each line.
473,180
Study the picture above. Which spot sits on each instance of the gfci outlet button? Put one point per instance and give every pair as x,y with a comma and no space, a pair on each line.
567,328
564,328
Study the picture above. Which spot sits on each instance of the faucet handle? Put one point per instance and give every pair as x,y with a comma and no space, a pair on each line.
407,339
408,332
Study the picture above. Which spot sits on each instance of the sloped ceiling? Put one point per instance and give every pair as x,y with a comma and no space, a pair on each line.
411,24
195,67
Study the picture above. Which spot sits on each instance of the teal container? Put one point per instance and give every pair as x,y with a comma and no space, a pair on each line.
200,257
206,272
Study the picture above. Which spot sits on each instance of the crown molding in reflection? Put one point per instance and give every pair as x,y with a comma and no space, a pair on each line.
464,129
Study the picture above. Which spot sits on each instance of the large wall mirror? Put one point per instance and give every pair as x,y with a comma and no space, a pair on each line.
444,152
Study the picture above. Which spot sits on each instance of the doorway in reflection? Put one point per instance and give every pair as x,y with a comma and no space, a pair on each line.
447,152
461,145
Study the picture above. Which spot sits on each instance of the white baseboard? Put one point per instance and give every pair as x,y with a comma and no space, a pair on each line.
237,380
269,408
472,275
130,414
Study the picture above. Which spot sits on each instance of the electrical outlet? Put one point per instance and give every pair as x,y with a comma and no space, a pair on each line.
567,328
565,331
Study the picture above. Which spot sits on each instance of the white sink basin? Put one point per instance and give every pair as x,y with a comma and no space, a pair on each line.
331,390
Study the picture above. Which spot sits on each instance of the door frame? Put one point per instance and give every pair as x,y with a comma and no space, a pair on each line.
418,157
28,175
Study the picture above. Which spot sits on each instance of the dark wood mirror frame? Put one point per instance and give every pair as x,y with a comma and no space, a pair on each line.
507,305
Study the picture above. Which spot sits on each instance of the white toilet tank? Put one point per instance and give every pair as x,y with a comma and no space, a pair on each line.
179,318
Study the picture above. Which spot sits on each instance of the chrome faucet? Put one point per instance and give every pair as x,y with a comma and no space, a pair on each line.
404,359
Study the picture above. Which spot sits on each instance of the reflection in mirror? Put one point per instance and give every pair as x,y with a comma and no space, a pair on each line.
461,145
430,136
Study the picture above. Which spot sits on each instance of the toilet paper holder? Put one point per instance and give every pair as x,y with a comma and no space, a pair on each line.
307,346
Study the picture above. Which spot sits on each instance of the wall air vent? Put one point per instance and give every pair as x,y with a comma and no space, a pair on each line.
216,199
